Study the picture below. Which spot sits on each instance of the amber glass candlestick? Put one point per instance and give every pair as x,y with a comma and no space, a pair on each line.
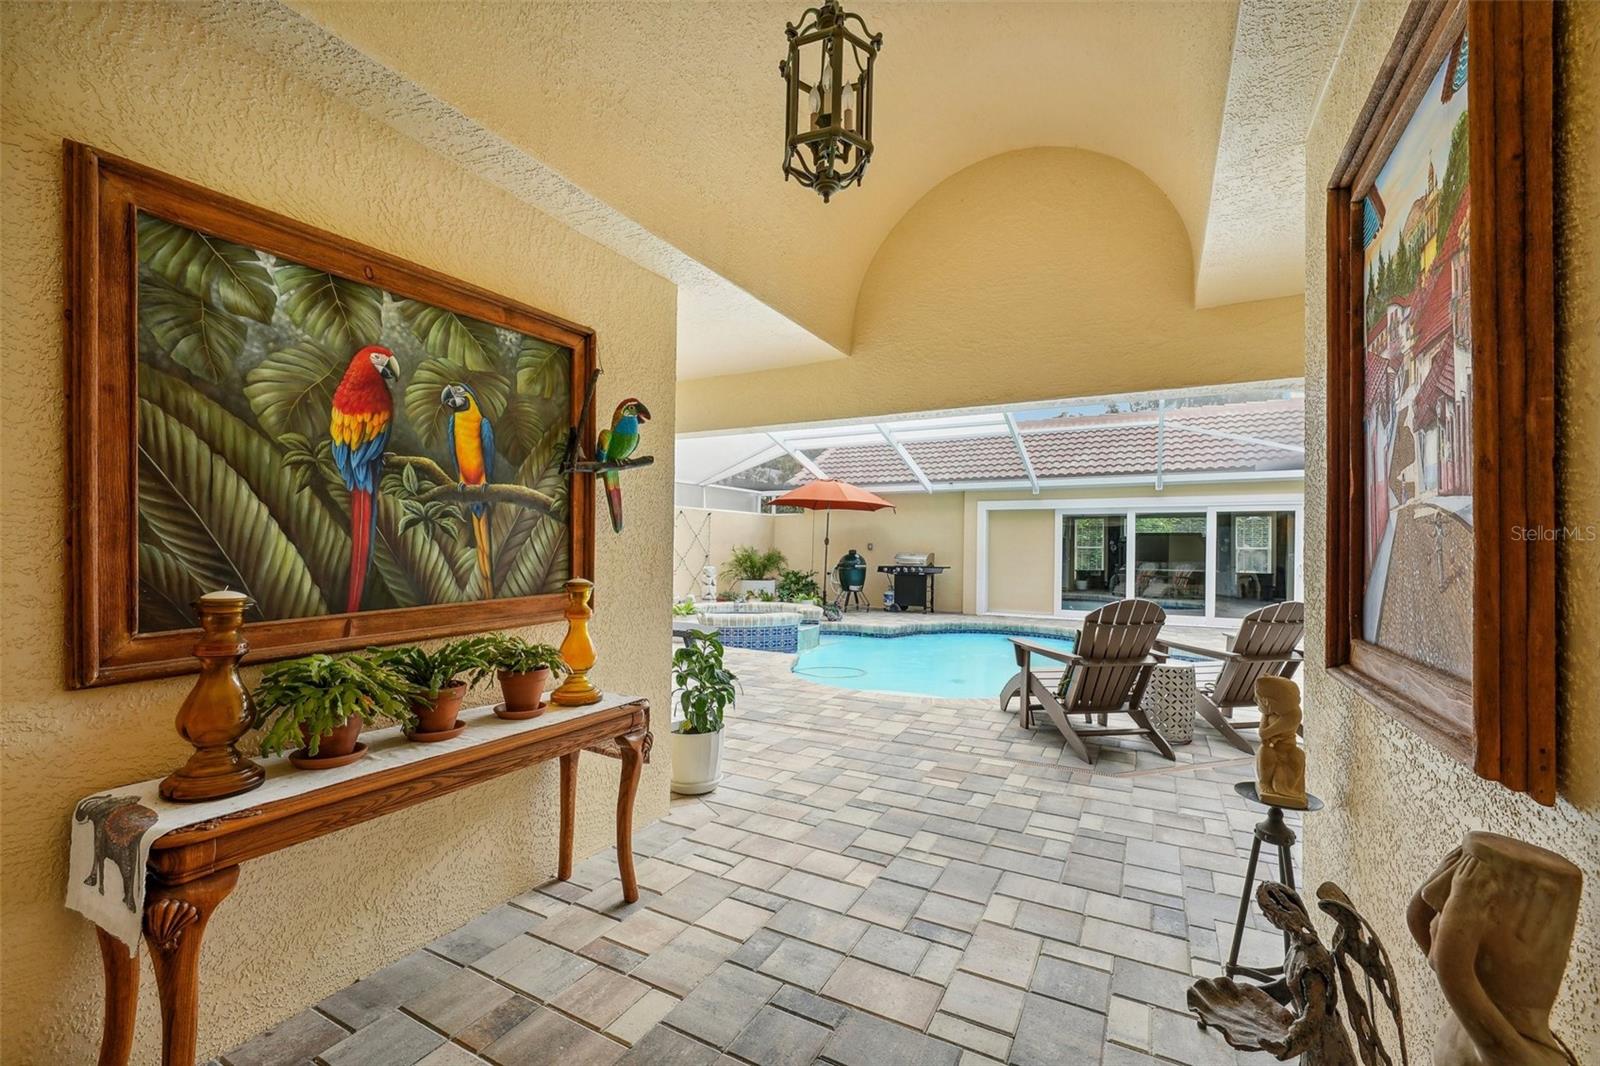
218,710
577,650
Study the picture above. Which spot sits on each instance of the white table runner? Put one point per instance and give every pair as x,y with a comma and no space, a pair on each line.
113,830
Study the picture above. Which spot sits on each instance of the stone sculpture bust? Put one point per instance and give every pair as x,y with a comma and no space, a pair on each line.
1496,921
1280,764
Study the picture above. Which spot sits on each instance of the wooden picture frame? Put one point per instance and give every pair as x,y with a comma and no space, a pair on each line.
105,197
1503,721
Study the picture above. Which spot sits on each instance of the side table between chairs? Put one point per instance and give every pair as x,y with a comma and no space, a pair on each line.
1275,831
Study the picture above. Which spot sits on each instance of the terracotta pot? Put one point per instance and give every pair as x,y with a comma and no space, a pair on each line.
338,741
523,692
440,713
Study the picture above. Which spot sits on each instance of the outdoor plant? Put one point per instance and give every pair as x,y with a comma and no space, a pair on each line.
704,686
513,655
752,564
525,669
305,699
684,609
431,671
798,586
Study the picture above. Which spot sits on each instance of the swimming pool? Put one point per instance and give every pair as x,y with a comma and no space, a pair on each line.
923,664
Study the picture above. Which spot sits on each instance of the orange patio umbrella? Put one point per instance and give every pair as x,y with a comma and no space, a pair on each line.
829,495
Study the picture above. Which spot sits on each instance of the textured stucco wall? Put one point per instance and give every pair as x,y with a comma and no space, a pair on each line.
1396,804
1039,274
153,84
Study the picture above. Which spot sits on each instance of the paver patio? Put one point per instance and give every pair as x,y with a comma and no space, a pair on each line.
879,879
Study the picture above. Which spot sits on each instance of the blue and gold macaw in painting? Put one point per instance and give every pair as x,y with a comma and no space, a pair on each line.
471,441
615,445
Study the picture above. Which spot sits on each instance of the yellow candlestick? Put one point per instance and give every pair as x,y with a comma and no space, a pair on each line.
577,649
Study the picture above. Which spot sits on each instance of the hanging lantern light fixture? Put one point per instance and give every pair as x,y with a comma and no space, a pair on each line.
828,137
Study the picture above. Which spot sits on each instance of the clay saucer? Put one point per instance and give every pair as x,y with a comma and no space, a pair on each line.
443,734
518,716
326,762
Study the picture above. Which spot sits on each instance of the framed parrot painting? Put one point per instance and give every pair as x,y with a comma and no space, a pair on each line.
371,451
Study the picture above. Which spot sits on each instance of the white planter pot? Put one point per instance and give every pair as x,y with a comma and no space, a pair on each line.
696,762
745,588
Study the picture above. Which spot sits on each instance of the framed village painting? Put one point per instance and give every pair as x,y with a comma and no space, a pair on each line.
371,451
1441,391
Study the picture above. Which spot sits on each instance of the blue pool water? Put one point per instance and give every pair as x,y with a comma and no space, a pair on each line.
924,664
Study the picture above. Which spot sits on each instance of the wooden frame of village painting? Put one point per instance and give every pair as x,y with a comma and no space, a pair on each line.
1441,563
370,450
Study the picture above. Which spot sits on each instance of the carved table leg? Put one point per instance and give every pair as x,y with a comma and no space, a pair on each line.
569,812
122,999
175,920
632,747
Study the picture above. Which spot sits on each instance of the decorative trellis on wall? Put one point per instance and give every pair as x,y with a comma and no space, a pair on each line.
693,535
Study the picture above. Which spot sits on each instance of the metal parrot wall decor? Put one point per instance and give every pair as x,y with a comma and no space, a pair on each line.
614,448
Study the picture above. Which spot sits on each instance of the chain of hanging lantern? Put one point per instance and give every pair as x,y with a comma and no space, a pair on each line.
828,137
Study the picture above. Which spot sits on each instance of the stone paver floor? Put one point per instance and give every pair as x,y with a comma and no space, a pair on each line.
879,880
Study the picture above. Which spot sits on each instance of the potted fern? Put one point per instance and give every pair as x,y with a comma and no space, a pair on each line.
753,570
525,670
321,704
705,689
441,678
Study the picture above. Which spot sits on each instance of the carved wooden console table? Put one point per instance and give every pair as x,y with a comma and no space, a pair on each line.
192,869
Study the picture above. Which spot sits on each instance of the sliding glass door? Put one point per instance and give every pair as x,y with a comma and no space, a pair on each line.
1094,554
1170,561
1256,560
1205,561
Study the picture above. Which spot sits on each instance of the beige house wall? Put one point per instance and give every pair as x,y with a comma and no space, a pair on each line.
1395,803
158,85
701,535
920,522
1021,547
1146,496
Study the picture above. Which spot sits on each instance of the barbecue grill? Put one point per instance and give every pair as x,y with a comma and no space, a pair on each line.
851,574
913,574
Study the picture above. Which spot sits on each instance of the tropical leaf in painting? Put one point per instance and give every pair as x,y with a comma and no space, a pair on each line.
541,564
426,414
195,335
291,391
169,522
466,342
319,534
167,589
531,547
542,368
231,274
427,573
342,315
518,430
239,526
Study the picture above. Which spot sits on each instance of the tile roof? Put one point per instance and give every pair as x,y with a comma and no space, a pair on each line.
1093,446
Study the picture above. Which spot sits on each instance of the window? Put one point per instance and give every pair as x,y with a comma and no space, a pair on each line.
1089,551
1252,544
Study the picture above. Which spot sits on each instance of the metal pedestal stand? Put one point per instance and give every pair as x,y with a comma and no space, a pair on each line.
1274,831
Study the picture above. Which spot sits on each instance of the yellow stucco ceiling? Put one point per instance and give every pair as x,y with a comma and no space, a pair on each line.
671,112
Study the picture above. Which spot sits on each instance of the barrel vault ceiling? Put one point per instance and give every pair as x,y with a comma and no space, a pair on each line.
656,128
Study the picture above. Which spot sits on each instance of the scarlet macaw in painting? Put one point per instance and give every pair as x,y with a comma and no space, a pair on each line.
359,426
471,440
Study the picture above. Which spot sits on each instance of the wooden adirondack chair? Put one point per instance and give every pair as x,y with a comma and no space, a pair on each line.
1105,674
1264,647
